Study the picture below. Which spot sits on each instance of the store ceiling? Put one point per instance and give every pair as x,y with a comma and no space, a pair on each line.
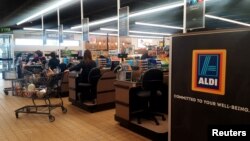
12,11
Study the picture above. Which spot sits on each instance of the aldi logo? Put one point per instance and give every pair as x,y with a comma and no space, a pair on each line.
209,71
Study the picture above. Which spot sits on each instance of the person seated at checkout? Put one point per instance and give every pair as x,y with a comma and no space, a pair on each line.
85,66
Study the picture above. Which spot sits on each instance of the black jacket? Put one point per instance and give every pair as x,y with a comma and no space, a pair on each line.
145,56
53,63
86,67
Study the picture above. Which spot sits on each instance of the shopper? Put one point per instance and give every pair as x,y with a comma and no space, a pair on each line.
19,65
39,58
145,55
29,58
53,62
85,66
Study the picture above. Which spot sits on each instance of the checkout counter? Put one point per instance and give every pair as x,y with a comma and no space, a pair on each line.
126,106
105,92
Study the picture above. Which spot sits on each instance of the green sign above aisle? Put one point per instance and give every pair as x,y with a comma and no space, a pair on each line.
5,29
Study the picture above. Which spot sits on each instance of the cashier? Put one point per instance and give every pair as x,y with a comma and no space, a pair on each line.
85,66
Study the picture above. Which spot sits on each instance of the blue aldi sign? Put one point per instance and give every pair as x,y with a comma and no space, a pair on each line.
208,71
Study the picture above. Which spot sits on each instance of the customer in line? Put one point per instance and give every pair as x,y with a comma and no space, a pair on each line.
53,62
39,58
145,55
85,66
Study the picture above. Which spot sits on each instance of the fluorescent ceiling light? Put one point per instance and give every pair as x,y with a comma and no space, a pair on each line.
70,31
76,27
109,29
39,29
147,11
151,37
51,30
137,36
97,22
133,31
32,29
52,7
227,20
157,9
97,33
104,34
158,25
152,33
103,21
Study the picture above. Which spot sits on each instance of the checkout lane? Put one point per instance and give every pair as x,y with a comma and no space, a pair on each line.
128,104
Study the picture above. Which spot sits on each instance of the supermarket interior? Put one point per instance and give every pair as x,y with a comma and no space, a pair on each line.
124,70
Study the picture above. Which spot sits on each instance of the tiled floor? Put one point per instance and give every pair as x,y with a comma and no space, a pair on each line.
75,125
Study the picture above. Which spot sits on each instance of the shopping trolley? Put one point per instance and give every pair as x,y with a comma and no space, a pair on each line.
51,85
26,75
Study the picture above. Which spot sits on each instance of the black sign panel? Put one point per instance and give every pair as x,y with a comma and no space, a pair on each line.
210,85
124,21
194,10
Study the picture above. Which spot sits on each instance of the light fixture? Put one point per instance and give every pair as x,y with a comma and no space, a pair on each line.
137,36
157,9
32,29
133,31
97,22
226,20
51,30
159,25
151,37
39,29
103,21
109,29
97,33
70,31
147,11
52,7
152,33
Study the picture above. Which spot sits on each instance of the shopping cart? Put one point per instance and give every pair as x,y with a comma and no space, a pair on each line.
52,87
10,76
17,83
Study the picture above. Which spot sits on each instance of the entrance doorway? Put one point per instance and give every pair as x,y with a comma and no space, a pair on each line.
6,52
